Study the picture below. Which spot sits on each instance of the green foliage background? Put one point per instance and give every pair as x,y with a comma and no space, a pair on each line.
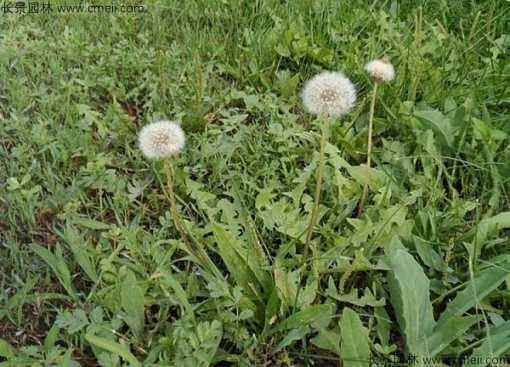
92,269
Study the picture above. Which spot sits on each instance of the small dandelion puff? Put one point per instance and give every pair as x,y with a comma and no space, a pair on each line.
161,139
381,70
329,93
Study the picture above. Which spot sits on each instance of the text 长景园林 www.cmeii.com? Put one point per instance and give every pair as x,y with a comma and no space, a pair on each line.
411,360
36,7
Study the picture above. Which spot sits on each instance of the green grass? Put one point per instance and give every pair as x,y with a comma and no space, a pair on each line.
93,271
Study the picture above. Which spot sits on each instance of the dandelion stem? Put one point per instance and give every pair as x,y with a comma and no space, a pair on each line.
169,171
417,46
318,186
192,245
369,150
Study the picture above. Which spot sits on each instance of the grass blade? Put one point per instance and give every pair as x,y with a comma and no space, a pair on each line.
488,280
449,331
496,343
57,263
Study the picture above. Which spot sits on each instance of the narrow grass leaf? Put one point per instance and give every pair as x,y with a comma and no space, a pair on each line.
488,280
449,331
495,345
57,263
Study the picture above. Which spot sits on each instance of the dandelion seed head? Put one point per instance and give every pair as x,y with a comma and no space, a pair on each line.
329,93
161,139
381,70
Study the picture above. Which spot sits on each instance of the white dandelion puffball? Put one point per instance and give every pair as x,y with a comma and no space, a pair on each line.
161,139
381,70
329,93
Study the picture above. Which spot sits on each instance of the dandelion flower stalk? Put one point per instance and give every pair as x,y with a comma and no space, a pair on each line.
327,95
369,148
380,71
169,172
163,140
192,245
318,187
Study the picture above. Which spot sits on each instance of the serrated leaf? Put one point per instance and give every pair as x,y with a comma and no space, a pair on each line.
383,326
308,293
286,284
238,260
180,293
427,254
80,252
256,256
114,348
311,315
355,351
72,322
282,50
292,336
328,340
410,296
287,83
263,198
363,174
132,301
67,360
487,227
91,224
272,307
6,350
52,337
367,299
439,123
